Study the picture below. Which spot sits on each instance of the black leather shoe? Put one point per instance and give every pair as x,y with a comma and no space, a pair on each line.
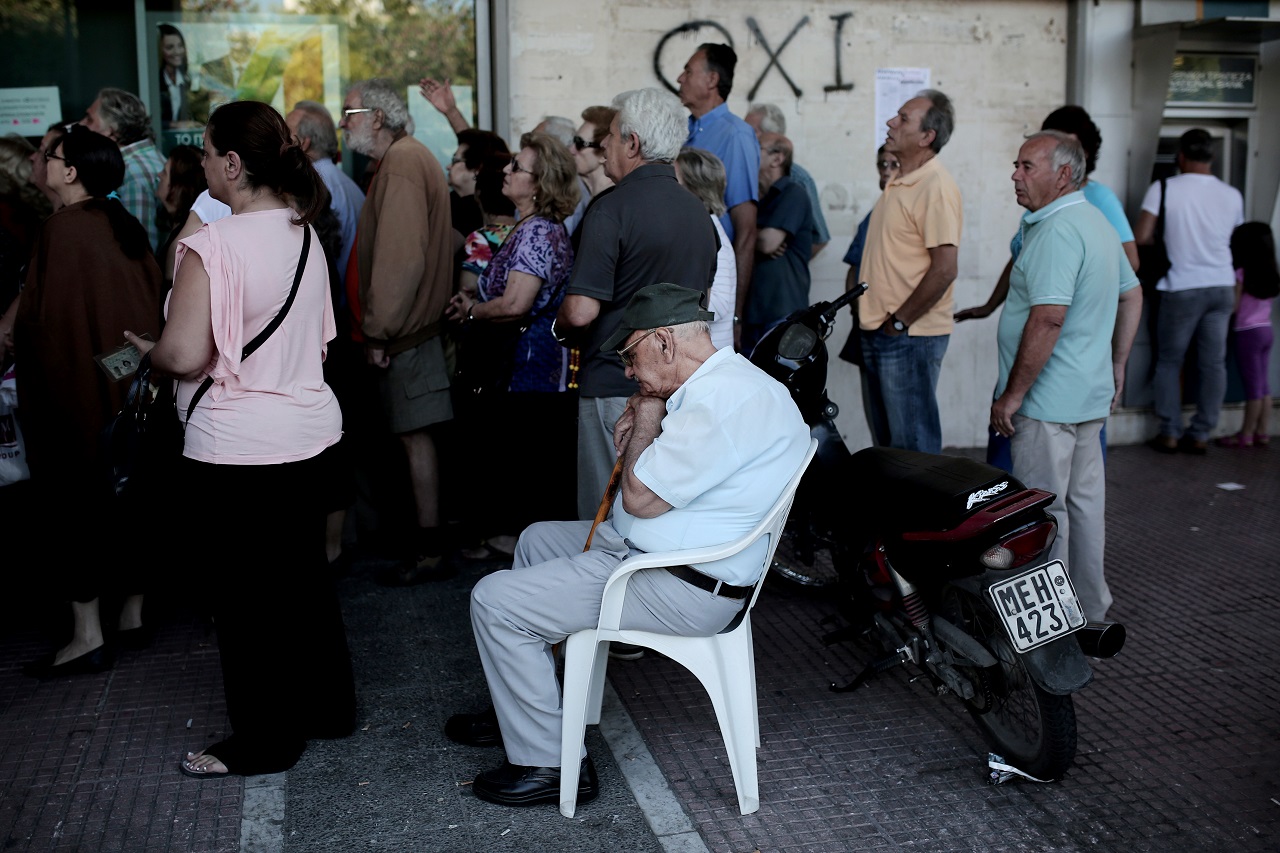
474,729
513,785
88,663
1187,444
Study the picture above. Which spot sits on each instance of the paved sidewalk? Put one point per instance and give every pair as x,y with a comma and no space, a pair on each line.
1179,736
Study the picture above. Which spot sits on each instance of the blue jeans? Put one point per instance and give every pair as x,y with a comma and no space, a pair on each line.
902,389
1202,313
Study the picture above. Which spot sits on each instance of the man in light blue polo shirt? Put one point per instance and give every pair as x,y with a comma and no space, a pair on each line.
1064,336
707,445
705,84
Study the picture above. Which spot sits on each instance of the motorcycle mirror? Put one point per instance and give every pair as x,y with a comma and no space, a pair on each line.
797,342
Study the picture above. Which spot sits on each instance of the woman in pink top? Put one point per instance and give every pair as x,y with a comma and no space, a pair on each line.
1253,249
260,444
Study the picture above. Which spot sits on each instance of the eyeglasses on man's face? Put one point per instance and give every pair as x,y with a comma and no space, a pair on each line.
579,143
626,356
348,113
49,155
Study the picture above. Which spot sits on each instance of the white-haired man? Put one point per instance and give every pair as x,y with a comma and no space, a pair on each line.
403,260
121,117
768,118
648,229
311,122
707,445
1064,337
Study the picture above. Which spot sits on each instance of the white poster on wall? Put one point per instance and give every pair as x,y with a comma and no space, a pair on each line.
29,111
894,87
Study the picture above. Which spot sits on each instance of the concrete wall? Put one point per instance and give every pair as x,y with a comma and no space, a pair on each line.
1003,63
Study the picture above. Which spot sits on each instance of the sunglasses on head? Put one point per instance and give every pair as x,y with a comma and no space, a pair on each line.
580,143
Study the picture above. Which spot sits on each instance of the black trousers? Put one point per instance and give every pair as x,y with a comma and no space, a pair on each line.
260,554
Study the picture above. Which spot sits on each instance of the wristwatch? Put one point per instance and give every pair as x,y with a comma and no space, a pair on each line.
898,325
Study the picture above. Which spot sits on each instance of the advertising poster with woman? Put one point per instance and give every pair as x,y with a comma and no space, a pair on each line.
198,63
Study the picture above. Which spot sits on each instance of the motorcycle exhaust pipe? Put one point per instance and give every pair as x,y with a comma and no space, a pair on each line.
1101,639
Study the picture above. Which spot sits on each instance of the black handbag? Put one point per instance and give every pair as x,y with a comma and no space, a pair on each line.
1153,260
487,355
487,351
139,445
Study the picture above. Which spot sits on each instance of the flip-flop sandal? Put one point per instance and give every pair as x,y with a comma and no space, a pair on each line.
196,773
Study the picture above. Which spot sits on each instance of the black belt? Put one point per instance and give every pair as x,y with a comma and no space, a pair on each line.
710,584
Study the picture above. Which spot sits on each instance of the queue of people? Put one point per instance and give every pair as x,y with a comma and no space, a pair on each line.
525,324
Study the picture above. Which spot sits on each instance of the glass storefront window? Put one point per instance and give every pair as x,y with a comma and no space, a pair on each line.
183,57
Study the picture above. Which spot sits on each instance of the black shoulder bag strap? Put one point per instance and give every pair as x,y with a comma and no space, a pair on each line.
253,345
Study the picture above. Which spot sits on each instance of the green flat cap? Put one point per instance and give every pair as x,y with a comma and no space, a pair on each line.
655,306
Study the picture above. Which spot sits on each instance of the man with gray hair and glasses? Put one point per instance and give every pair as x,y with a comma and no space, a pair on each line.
402,264
909,266
311,122
121,117
648,229
1064,337
768,118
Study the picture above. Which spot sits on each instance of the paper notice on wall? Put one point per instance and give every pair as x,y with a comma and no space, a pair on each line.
29,111
894,87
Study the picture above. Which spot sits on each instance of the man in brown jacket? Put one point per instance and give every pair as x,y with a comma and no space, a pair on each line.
403,261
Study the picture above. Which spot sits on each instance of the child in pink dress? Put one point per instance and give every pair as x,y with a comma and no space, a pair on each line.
1253,249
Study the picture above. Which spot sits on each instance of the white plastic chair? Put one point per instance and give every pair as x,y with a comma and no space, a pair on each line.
724,662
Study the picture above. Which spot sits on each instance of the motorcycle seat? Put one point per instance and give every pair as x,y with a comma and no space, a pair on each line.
903,490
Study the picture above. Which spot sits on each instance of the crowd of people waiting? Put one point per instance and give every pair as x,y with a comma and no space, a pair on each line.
439,346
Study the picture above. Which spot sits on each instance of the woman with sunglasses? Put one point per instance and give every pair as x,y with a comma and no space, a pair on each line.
91,277
526,421
588,154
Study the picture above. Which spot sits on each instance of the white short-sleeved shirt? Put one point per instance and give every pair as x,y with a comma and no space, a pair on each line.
730,442
722,299
273,407
1200,213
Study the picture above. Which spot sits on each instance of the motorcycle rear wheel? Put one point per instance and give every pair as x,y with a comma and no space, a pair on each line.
1030,728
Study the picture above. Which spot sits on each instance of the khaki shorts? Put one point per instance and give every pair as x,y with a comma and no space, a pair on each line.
415,388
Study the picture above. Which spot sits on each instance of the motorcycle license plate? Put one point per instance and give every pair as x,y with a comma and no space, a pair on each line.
1038,606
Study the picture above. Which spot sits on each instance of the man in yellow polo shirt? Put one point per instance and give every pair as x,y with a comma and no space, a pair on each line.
909,265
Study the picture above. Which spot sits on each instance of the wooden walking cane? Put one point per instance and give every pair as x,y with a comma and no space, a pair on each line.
610,491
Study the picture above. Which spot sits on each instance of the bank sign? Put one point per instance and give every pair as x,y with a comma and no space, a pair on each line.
1205,80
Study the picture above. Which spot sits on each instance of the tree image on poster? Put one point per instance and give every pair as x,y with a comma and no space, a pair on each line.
406,40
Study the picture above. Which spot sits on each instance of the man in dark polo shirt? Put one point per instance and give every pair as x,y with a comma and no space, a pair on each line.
784,243
648,230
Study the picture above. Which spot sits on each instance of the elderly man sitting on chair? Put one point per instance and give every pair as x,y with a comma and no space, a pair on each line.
706,447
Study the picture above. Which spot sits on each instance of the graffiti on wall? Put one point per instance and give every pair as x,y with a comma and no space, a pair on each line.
775,56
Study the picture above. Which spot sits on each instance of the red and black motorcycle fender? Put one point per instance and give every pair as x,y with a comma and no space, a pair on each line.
1059,667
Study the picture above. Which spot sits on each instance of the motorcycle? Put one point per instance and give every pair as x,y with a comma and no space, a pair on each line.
942,562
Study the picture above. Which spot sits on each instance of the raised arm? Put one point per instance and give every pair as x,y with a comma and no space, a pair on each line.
440,95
